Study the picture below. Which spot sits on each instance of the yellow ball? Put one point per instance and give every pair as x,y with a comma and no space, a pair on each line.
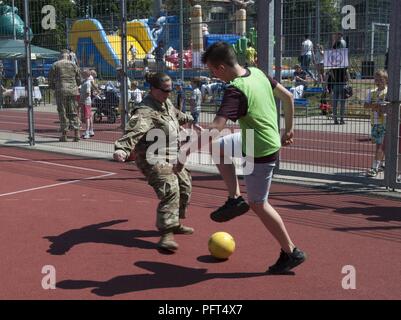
221,245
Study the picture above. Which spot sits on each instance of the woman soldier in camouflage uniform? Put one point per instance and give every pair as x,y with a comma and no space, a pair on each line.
157,116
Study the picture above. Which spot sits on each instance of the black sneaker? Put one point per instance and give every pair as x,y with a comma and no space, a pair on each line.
286,261
231,209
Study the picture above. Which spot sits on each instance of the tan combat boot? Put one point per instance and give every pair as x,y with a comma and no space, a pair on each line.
181,229
167,241
76,135
63,137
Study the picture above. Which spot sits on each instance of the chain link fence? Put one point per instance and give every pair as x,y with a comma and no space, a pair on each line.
170,36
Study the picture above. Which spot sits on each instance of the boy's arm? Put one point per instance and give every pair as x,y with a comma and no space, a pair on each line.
288,106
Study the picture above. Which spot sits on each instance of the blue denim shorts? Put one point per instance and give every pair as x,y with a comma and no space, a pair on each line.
378,132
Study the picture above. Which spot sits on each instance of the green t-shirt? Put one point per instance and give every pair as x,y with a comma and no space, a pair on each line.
261,116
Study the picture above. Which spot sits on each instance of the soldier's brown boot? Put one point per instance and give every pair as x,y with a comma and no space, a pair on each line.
181,229
76,135
167,242
63,137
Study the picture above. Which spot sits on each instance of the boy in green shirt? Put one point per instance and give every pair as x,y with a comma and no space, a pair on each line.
249,98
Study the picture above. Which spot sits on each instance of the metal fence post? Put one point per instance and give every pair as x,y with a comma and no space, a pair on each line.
277,55
278,12
29,74
394,94
263,34
124,85
181,48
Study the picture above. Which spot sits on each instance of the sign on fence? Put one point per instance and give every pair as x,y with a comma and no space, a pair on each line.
336,58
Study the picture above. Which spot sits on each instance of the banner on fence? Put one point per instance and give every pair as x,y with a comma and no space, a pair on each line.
336,58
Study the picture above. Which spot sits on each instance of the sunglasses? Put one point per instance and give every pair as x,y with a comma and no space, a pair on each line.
164,79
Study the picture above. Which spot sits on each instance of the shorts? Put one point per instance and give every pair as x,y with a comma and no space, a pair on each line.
86,112
378,132
258,179
195,115
258,182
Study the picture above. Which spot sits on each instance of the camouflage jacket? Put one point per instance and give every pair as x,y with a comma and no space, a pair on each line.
64,78
141,130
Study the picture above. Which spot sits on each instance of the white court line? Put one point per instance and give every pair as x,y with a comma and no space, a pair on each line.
106,174
36,124
23,117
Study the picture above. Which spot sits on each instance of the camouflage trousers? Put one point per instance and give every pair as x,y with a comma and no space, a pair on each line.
67,109
174,193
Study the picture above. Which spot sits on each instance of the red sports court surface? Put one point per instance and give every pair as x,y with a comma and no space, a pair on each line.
93,220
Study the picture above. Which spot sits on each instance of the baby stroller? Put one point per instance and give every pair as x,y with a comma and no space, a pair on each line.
106,104
325,106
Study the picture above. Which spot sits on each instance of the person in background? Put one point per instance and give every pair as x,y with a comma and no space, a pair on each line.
307,55
133,52
319,63
250,55
120,79
340,78
86,104
376,102
181,99
196,101
159,53
299,79
73,57
64,79
136,93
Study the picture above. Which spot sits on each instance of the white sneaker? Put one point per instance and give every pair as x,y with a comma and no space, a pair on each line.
86,135
399,179
91,133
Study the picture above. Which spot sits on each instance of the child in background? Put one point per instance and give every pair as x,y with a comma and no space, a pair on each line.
86,104
136,94
180,94
376,102
196,101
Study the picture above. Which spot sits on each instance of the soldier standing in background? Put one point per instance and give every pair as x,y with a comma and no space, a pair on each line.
156,112
64,79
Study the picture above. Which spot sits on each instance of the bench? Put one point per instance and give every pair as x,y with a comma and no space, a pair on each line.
313,90
303,103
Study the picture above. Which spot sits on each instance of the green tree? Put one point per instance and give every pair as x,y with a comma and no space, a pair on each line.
52,39
300,18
